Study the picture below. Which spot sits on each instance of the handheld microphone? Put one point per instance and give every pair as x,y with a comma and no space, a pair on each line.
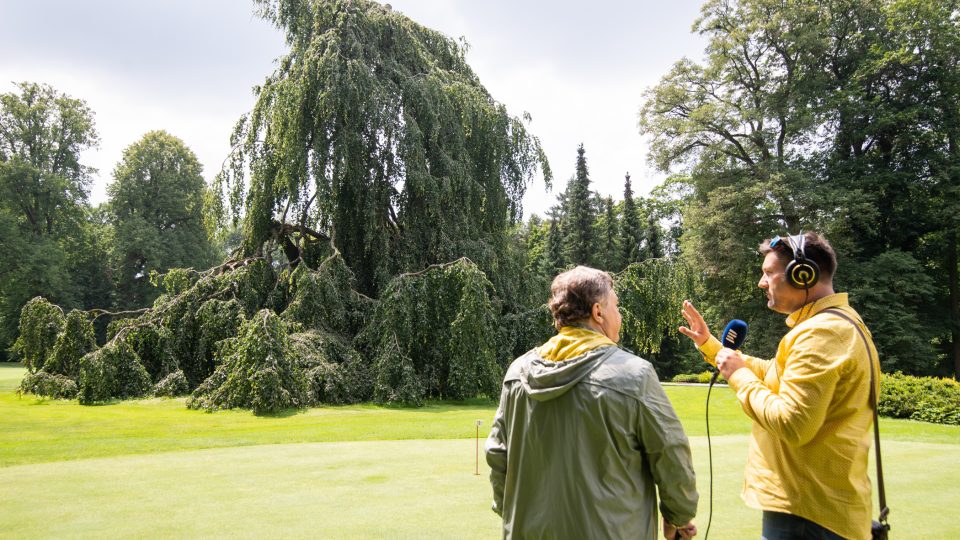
732,338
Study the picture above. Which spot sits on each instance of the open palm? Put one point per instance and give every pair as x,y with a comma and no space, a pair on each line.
697,328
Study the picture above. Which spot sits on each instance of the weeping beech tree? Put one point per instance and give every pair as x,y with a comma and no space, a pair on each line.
376,128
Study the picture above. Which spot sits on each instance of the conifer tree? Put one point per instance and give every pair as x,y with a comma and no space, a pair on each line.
631,233
609,228
580,215
653,248
555,259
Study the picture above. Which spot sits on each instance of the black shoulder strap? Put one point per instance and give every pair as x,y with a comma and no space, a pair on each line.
884,510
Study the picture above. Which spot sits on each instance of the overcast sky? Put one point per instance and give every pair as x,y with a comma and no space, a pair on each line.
187,67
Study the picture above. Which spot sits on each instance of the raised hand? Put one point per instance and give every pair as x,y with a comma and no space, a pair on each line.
697,329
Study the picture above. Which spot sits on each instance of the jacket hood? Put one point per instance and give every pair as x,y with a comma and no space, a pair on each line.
544,380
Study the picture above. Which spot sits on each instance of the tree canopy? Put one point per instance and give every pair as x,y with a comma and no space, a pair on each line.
374,129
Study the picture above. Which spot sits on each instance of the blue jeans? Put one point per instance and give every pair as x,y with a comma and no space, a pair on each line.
780,526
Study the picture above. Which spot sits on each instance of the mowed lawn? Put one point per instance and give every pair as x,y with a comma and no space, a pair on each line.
153,469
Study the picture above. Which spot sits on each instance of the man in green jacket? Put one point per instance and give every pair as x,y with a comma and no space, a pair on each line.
585,436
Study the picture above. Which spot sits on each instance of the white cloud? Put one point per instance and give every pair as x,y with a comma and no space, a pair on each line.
187,67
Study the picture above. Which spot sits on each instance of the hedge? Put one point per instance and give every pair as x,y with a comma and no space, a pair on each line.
928,399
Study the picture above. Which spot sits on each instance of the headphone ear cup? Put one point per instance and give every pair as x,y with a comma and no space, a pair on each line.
802,274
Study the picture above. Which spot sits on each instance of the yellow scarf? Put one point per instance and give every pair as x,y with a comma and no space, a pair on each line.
572,341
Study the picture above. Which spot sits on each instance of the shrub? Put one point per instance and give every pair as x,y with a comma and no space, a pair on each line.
433,335
50,385
76,340
335,371
258,371
40,324
112,372
703,377
173,385
927,399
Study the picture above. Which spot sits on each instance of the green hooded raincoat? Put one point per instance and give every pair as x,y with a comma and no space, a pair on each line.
579,448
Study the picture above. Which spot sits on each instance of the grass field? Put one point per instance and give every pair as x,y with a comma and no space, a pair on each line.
152,468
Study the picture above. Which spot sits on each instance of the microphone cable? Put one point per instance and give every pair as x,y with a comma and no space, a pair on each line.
713,379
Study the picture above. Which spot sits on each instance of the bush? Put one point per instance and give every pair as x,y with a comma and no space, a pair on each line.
76,340
258,371
927,399
112,372
703,377
434,334
40,324
173,385
335,371
50,385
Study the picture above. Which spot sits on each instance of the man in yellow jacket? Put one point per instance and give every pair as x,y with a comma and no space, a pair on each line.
807,462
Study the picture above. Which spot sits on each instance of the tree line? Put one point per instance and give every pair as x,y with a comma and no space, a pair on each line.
57,244
374,149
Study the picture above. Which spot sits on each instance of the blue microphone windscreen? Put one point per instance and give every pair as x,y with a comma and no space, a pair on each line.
734,334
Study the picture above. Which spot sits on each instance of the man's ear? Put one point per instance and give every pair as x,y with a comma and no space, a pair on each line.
597,311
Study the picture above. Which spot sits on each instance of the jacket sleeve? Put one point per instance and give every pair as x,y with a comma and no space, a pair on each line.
797,410
712,346
667,450
496,451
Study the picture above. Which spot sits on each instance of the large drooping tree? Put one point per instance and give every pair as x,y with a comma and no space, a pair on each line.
374,129
156,205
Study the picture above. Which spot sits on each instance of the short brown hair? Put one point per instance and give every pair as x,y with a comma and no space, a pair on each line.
574,292
816,248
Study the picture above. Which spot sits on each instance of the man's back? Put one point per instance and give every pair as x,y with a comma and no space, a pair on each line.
579,447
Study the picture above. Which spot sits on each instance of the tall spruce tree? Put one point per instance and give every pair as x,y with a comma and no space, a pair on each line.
555,260
609,232
631,230
653,245
580,215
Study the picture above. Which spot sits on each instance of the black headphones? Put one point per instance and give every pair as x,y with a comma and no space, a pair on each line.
802,273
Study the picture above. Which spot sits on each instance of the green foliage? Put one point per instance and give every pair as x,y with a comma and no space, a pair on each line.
336,372
257,370
701,378
432,336
173,385
112,372
927,399
157,202
631,230
580,216
324,299
376,128
72,344
42,383
650,294
151,343
40,324
836,117
48,248
891,291
520,332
